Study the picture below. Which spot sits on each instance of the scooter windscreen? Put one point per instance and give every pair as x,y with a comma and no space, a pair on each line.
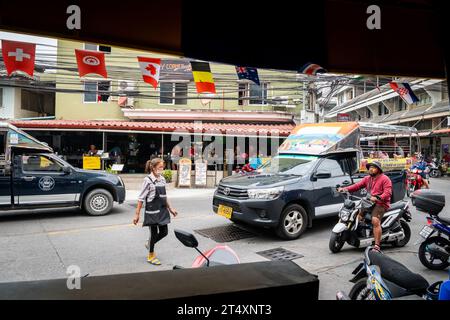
219,255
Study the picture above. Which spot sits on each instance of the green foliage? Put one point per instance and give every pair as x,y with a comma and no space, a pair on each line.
167,174
110,170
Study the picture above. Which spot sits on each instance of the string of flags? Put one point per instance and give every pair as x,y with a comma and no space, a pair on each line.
20,57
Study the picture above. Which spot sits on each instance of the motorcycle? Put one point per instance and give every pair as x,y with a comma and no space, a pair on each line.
219,255
380,277
434,250
244,169
414,181
349,229
433,168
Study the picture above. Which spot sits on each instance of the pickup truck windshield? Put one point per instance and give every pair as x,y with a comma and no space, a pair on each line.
289,164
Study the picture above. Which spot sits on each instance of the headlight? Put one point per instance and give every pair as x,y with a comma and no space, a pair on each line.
267,194
121,181
344,216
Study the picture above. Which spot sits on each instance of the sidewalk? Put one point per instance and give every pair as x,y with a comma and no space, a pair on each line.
132,195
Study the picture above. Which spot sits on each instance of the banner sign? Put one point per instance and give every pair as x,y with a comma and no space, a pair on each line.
176,69
388,164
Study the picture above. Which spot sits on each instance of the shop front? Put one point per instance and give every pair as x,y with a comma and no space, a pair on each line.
132,144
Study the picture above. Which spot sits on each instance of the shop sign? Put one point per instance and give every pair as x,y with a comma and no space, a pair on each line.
91,163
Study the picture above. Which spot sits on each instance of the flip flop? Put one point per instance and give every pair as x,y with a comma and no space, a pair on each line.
154,261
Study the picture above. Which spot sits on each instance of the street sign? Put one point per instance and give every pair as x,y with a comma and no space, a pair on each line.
344,117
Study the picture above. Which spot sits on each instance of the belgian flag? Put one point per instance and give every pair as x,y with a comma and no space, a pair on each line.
203,77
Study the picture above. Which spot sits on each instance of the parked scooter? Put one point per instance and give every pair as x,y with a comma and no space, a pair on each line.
434,251
444,168
349,229
380,277
433,168
244,169
219,255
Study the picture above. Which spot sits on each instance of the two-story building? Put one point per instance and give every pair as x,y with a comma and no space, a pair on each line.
128,118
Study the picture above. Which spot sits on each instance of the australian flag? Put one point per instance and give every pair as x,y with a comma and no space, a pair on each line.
245,73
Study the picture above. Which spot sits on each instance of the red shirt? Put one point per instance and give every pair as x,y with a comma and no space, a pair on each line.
377,186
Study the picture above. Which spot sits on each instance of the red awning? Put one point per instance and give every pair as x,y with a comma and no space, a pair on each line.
441,131
159,126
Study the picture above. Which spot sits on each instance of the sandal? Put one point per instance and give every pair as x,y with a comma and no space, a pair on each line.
154,261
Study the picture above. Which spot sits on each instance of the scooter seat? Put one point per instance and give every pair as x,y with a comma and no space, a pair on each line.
397,273
444,220
397,205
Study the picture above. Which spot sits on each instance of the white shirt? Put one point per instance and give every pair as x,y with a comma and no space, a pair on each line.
148,190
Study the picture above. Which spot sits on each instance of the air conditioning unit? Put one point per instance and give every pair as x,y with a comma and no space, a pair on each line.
283,100
125,86
126,90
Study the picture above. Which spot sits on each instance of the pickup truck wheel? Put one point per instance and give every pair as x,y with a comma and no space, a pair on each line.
293,222
98,202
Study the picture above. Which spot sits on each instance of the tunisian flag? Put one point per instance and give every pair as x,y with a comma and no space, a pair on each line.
91,62
18,56
150,69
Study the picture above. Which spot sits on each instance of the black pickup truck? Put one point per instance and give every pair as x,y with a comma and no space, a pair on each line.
33,177
292,190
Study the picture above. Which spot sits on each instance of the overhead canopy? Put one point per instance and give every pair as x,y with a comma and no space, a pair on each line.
331,33
321,138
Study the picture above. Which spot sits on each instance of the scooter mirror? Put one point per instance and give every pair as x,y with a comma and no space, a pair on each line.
186,238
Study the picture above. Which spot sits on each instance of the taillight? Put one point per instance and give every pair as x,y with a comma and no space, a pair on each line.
429,221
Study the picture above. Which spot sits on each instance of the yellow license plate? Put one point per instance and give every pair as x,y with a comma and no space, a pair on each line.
225,211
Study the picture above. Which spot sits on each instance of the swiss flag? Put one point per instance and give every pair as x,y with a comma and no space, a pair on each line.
150,69
91,62
18,56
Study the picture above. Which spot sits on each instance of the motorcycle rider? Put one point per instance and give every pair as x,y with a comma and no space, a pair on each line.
379,186
421,165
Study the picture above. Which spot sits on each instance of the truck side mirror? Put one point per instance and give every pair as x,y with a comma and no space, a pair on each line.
322,174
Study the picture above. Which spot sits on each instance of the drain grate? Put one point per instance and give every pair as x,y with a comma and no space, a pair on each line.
226,233
279,254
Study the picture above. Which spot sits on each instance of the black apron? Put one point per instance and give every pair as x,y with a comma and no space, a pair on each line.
156,211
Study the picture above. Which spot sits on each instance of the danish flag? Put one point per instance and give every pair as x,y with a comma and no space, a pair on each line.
150,69
18,56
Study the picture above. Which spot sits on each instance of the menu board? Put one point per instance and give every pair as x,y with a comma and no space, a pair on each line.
200,172
184,172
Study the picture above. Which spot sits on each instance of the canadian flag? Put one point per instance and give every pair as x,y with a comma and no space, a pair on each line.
91,62
18,56
150,69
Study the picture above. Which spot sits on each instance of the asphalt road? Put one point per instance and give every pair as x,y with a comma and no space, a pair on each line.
43,245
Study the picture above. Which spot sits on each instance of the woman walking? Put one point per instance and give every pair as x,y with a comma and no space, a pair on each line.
157,208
